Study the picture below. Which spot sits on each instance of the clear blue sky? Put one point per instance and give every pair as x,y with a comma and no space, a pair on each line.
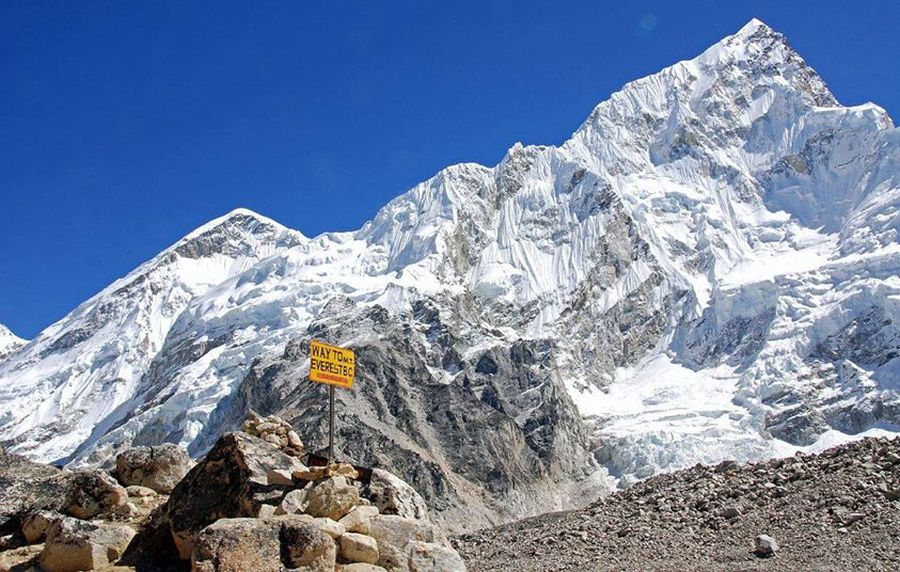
124,125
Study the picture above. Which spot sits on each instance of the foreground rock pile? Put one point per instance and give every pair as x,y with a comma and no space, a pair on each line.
64,520
839,510
250,504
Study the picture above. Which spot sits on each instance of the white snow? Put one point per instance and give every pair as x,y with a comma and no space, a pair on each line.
9,342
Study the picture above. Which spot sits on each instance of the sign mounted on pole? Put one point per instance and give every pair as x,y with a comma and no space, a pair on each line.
336,367
331,364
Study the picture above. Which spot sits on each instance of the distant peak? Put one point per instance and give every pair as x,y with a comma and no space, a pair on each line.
9,339
752,27
235,216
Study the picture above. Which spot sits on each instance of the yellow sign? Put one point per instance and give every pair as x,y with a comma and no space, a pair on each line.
331,364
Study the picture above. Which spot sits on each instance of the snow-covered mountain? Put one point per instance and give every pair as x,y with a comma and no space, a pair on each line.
708,268
9,342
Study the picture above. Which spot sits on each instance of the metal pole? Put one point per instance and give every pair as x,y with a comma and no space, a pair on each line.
331,424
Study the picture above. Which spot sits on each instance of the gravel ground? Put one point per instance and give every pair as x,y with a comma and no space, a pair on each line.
839,510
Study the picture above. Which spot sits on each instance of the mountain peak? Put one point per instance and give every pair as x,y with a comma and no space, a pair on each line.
9,342
240,216
752,27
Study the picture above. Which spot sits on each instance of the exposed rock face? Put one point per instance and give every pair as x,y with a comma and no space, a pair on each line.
159,467
223,517
432,433
431,557
359,519
308,547
765,546
231,481
397,536
74,544
359,548
37,524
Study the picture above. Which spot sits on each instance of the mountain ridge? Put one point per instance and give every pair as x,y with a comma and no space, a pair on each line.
677,283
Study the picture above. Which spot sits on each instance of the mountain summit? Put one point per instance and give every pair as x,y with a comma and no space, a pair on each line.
707,269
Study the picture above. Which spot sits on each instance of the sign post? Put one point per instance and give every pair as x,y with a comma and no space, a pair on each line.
334,366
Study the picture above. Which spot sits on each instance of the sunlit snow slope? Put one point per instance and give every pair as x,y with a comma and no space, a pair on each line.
711,263
9,342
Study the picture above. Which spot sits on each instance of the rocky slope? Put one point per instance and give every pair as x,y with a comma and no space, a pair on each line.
707,269
839,510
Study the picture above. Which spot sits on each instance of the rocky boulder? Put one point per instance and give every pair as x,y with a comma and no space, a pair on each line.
332,498
230,482
36,525
395,536
306,546
359,548
26,486
431,557
765,546
393,495
158,468
74,544
91,493
359,519
243,544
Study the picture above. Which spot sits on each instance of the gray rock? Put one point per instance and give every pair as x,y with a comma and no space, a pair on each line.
394,533
430,557
238,545
159,467
764,545
91,493
361,567
392,495
294,502
271,545
359,519
26,486
444,456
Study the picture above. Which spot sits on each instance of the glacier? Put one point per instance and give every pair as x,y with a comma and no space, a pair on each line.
709,268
